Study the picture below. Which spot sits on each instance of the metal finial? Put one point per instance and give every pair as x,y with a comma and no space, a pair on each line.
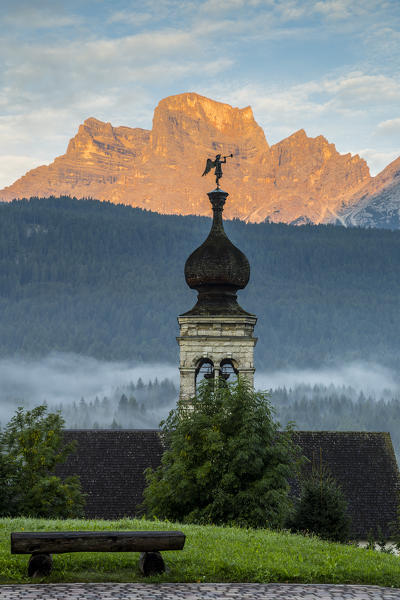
211,164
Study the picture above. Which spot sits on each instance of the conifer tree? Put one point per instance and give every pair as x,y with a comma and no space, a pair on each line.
322,507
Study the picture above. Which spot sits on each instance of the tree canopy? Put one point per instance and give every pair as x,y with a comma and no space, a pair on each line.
31,447
225,462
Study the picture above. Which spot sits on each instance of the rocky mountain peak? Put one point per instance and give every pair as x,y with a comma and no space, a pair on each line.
298,180
216,114
377,203
191,121
90,132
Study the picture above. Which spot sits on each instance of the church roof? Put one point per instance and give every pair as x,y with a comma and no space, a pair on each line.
111,465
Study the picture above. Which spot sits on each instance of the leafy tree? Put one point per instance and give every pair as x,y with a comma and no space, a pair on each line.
31,447
322,508
6,479
225,461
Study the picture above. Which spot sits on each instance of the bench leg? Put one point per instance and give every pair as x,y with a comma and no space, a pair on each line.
40,565
151,563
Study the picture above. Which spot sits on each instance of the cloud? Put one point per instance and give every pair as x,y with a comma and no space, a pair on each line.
130,18
351,92
317,105
280,12
389,128
334,9
212,7
362,17
377,160
361,90
87,66
12,167
44,15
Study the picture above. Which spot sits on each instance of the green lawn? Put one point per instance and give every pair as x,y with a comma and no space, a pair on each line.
211,554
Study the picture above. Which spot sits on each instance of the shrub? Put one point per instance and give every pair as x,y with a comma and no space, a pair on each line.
30,449
322,508
395,526
6,479
226,461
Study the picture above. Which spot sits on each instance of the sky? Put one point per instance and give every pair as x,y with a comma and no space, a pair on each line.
330,67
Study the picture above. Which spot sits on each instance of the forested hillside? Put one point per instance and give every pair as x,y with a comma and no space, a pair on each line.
107,281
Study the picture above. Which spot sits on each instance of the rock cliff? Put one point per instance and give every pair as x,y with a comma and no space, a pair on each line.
300,179
377,204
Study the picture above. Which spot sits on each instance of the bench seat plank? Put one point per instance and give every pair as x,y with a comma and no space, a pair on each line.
58,542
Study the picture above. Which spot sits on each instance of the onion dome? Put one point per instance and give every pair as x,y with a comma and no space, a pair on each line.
217,269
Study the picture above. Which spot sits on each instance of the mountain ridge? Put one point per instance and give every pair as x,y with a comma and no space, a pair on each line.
297,180
378,204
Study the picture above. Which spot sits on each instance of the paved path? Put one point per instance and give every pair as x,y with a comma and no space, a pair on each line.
193,591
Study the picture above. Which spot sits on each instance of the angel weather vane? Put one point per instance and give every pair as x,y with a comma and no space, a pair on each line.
211,164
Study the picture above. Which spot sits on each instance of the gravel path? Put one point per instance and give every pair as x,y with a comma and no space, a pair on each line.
193,591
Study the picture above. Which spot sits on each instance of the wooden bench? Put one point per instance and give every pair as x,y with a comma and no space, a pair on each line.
42,545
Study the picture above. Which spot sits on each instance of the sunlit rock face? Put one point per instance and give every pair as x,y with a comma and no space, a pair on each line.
312,179
377,204
298,180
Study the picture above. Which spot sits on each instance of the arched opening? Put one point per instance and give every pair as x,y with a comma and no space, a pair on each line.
228,370
204,370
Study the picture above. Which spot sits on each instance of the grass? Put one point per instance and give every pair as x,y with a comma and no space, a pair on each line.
211,554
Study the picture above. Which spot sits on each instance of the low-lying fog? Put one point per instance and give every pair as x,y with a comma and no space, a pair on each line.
93,393
369,378
70,382
65,378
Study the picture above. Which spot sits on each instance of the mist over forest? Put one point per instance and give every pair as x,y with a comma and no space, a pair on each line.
125,395
72,383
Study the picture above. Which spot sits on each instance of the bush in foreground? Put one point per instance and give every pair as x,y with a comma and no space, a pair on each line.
226,461
31,447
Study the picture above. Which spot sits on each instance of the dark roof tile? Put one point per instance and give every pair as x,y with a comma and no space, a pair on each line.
111,465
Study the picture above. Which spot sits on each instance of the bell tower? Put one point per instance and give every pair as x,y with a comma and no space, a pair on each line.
216,336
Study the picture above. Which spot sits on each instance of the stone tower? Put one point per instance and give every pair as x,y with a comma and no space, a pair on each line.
216,335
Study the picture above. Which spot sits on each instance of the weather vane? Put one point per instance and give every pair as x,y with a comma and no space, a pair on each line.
211,164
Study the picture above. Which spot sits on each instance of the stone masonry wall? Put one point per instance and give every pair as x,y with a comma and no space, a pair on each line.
216,338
